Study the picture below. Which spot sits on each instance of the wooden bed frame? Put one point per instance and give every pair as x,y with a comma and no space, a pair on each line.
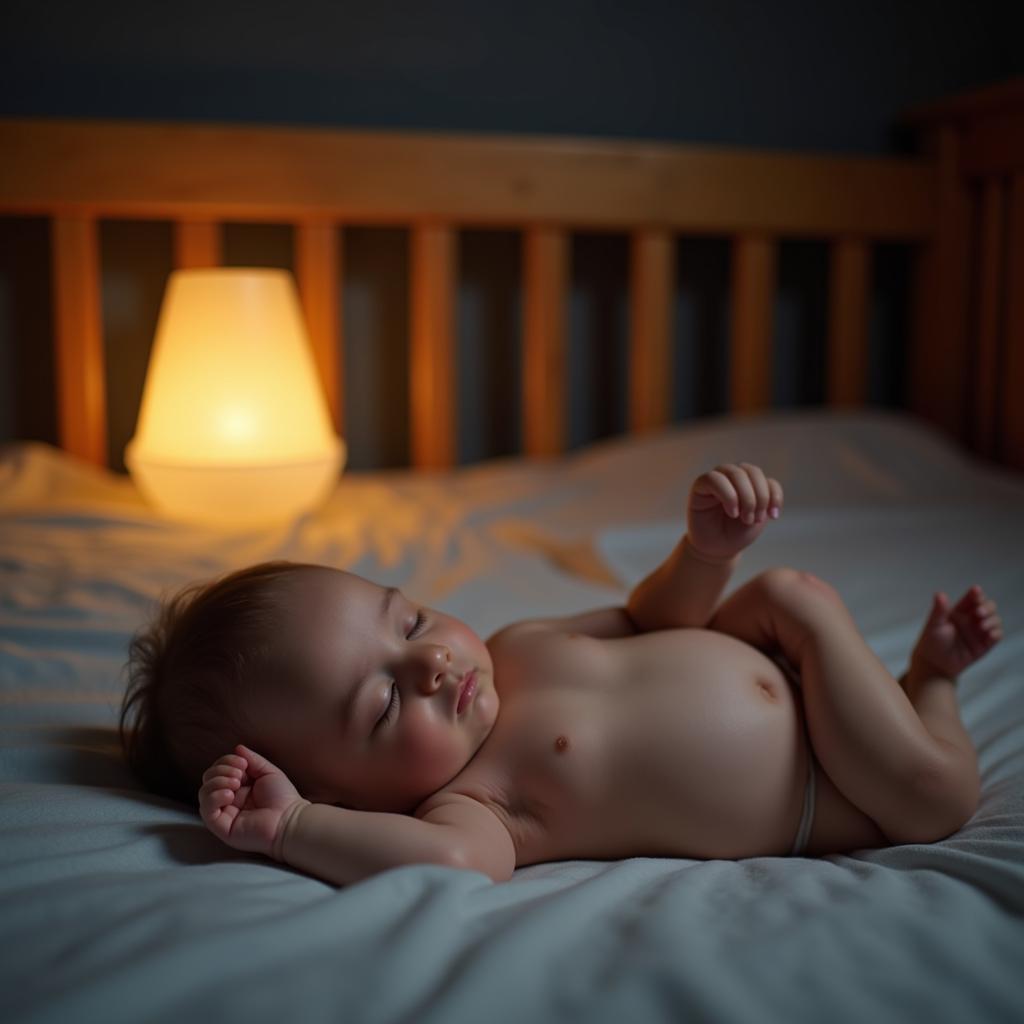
960,204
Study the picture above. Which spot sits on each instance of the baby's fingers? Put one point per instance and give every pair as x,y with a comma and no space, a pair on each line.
257,764
228,764
731,487
217,804
762,490
220,783
743,491
713,488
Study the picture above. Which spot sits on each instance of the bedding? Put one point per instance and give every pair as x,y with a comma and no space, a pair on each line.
116,905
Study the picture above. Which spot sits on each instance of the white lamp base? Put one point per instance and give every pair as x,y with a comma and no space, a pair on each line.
237,496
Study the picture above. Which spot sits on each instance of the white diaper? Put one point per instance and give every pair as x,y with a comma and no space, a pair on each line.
803,832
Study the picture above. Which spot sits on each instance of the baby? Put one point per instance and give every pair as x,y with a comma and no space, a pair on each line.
369,732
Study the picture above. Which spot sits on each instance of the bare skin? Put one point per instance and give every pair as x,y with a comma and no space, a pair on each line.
662,728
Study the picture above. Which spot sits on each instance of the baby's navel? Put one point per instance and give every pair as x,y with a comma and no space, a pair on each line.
562,744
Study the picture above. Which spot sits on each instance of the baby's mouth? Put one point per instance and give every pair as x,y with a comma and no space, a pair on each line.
466,691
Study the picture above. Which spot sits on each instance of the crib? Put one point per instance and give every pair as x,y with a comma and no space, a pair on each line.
958,204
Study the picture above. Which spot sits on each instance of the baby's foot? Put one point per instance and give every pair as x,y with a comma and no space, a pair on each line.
953,639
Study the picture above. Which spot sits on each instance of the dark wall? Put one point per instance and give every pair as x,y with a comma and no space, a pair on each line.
831,76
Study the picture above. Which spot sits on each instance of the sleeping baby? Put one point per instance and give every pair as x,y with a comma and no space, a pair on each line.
341,728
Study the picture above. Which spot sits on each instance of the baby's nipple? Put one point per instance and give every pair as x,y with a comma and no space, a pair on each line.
561,744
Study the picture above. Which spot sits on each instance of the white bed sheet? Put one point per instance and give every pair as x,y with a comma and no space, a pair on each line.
117,906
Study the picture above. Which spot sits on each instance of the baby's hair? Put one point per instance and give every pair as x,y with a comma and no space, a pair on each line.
209,646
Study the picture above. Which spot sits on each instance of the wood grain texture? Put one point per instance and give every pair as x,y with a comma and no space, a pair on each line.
753,295
198,244
545,328
652,308
847,363
318,273
218,172
78,339
432,371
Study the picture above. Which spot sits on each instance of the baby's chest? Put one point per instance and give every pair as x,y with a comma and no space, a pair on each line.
609,701
614,746
556,695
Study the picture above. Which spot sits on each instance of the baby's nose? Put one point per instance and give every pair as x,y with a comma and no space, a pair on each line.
433,661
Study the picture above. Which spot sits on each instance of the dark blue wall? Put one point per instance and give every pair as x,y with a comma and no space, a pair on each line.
829,75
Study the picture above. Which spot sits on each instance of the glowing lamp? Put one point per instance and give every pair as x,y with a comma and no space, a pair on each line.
234,428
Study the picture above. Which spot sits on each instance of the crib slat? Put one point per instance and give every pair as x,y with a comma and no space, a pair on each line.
1012,377
753,293
990,269
78,324
937,367
432,392
650,352
198,244
849,273
317,265
545,395
1012,448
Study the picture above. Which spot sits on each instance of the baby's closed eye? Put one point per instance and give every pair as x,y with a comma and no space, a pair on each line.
391,711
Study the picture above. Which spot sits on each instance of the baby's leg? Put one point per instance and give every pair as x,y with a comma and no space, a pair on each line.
917,779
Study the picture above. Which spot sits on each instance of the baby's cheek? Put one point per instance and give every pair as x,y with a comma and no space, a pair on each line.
431,755
470,648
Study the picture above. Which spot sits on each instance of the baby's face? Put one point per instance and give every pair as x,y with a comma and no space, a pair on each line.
391,702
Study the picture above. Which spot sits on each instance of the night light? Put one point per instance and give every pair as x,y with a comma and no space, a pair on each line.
234,428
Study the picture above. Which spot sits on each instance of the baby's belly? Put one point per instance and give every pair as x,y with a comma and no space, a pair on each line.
695,748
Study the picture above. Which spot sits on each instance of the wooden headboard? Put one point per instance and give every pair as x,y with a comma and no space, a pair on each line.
960,204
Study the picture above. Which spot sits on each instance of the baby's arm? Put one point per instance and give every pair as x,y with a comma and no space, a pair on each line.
727,510
341,845
251,805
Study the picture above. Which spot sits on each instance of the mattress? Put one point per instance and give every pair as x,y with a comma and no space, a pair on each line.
116,905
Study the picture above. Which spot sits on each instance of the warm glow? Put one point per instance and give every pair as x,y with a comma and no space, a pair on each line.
234,427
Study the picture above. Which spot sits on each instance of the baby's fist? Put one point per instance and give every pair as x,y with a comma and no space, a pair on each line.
729,507
246,801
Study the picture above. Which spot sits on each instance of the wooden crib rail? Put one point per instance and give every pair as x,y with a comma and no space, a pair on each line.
969,324
200,176
209,173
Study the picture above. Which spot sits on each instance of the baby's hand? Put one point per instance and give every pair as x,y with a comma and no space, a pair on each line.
729,507
244,800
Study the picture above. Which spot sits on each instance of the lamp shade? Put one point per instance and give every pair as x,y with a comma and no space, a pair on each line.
234,427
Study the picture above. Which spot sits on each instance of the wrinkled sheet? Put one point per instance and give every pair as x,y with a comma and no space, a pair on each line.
118,906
